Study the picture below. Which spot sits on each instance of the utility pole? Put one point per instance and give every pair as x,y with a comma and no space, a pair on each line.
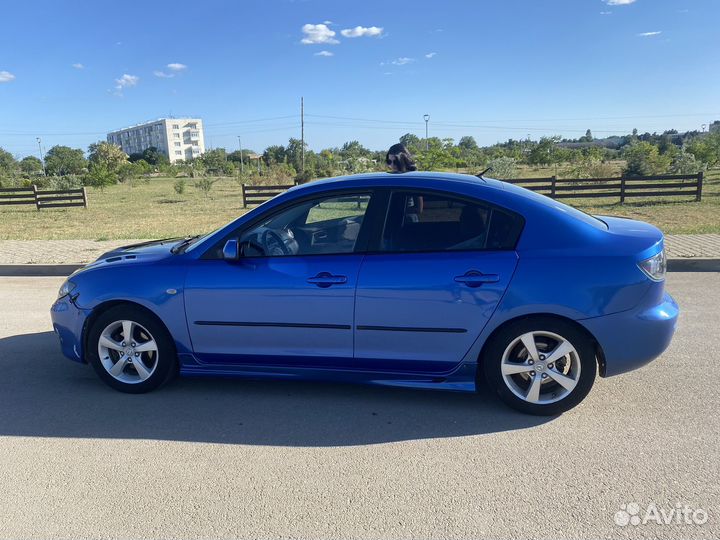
302,134
427,142
242,170
42,159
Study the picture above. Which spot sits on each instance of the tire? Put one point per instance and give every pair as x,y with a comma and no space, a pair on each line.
545,381
115,358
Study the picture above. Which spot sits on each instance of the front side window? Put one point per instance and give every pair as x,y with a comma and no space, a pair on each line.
426,221
323,226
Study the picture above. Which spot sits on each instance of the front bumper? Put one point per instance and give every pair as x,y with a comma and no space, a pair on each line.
68,322
631,339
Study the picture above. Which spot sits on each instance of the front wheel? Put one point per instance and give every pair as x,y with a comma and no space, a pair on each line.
541,366
130,350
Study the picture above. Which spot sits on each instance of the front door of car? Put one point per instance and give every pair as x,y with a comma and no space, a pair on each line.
432,281
289,299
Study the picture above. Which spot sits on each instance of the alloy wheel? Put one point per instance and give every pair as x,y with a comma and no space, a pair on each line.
540,367
128,351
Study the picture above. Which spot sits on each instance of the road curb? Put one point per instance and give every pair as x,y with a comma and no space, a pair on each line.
38,270
693,265
60,270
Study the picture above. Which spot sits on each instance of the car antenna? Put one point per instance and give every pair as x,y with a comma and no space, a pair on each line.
480,176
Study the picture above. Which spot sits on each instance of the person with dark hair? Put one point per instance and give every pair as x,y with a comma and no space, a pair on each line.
399,159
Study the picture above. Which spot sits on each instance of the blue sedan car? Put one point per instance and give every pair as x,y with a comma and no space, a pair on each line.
430,280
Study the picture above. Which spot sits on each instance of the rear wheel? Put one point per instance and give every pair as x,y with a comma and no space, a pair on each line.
130,350
540,366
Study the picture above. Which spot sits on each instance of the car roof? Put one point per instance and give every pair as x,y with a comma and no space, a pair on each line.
425,179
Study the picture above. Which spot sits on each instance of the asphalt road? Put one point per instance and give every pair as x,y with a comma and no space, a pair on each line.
222,458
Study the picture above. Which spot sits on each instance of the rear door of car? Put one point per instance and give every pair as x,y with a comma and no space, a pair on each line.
431,281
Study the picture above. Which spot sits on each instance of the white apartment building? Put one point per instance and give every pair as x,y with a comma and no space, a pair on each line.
180,139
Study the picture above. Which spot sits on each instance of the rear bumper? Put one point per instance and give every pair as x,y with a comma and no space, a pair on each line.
68,322
631,339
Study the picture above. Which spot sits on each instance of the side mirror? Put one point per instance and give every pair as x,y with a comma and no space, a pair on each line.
231,250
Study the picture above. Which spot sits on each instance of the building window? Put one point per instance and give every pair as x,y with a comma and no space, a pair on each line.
178,144
176,135
176,126
178,152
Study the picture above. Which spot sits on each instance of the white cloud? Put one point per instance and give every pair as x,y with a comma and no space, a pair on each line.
649,34
78,66
619,2
6,76
318,33
362,31
173,69
324,53
126,81
605,12
402,61
430,54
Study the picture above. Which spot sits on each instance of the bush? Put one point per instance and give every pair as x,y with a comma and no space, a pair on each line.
204,185
590,167
685,163
179,186
503,168
100,176
644,159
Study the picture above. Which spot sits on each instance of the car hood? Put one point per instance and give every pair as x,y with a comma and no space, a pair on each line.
142,252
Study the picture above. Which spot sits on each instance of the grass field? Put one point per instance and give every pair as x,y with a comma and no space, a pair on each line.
154,210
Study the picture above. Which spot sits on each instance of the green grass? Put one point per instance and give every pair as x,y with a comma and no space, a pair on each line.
154,210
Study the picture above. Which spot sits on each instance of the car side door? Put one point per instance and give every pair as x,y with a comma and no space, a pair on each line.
288,301
431,281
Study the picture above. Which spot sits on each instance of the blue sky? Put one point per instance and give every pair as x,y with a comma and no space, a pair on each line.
70,71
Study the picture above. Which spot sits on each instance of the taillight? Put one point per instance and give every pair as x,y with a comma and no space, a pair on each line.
655,267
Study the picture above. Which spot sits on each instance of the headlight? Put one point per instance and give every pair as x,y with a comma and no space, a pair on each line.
655,267
66,289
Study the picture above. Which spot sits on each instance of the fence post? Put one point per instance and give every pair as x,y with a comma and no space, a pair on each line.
242,194
553,179
698,196
35,194
622,189
85,198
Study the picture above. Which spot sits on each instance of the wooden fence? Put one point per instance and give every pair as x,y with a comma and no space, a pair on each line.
622,188
260,194
59,198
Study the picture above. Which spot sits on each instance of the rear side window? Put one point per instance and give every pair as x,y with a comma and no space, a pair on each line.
426,221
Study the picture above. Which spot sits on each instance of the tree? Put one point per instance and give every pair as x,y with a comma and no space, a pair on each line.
62,160
644,159
107,154
354,150
100,176
294,153
543,153
150,155
683,162
216,163
706,148
274,155
587,137
31,166
7,162
468,144
412,143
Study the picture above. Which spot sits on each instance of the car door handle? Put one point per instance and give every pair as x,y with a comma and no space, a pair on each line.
326,279
473,278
